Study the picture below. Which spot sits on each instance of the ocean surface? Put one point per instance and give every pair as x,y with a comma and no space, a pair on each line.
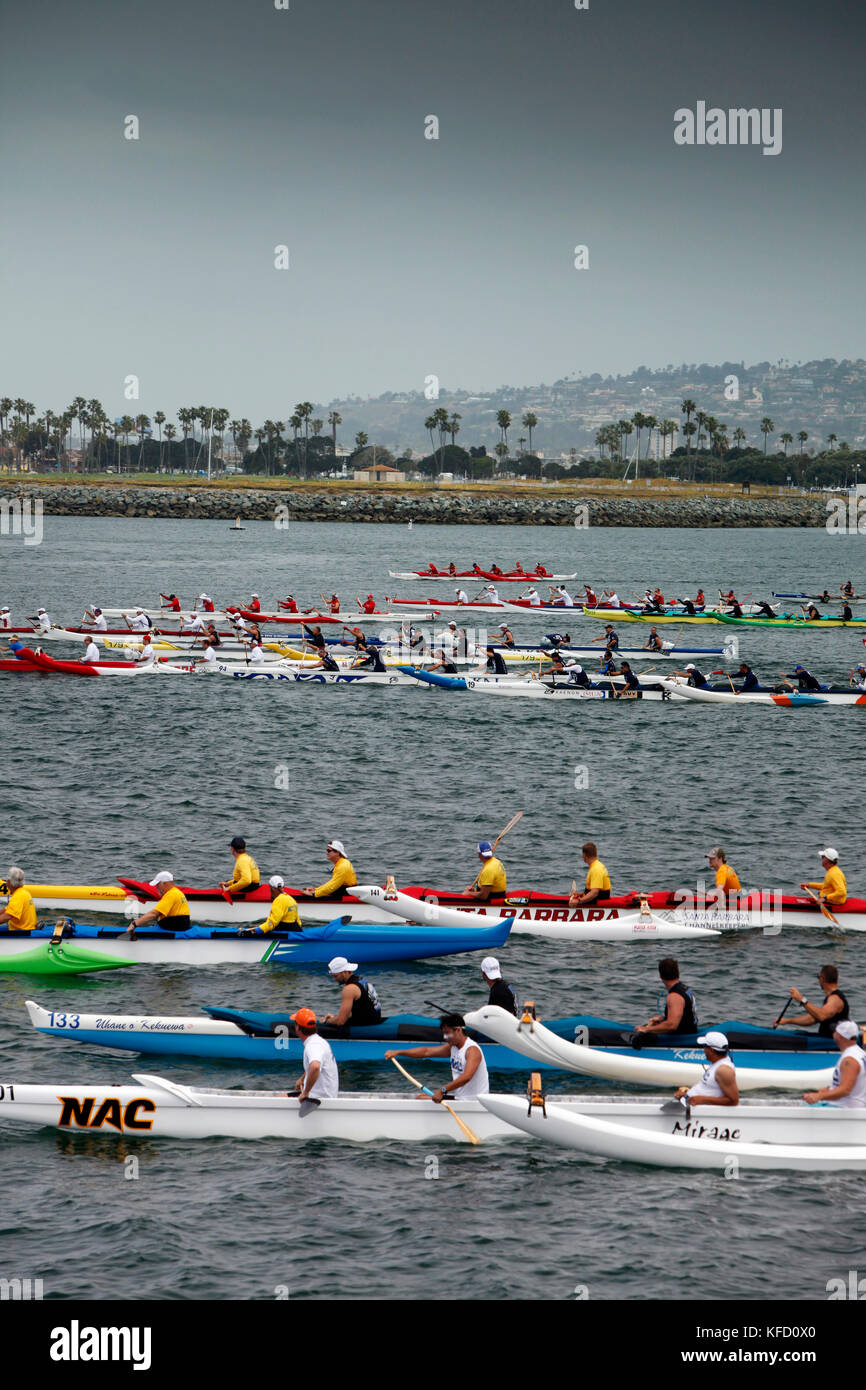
103,778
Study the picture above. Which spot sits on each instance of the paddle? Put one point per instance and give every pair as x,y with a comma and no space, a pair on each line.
470,1135
501,836
784,1011
443,1008
826,911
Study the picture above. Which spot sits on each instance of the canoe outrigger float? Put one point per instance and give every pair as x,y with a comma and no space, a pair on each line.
793,699
250,1036
57,958
155,1107
536,913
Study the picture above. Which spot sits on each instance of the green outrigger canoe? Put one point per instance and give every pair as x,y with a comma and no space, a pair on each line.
50,958
790,620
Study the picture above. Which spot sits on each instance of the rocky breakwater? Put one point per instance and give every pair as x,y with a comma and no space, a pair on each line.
439,506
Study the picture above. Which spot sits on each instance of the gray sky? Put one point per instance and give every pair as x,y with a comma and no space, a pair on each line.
411,256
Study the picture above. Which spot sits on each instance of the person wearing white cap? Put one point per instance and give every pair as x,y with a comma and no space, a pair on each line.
532,596
490,879
857,677
343,875
359,1002
490,594
577,675
506,636
283,915
718,1085
139,622
693,676
501,992
468,1067
171,912
255,604
194,624
5,618
848,1083
461,595
91,651
206,602
43,621
833,889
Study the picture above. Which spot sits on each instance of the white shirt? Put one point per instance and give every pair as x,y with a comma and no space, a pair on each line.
147,655
861,684
491,596
91,652
195,624
257,656
462,596
534,598
139,623
612,601
44,622
5,619
708,1085
317,1049
857,1096
479,1085
567,600
100,624
210,656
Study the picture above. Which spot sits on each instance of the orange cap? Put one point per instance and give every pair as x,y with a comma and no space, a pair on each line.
305,1017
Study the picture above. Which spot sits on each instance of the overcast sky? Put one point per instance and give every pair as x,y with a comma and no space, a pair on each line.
411,256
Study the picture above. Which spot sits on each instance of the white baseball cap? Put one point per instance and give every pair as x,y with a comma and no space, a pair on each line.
690,666
275,881
40,610
829,854
574,666
847,1028
162,877
337,845
503,627
717,1041
490,968
339,964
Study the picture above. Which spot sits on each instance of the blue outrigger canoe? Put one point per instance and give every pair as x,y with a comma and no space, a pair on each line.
245,1035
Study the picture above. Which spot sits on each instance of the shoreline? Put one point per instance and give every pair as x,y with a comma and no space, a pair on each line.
436,506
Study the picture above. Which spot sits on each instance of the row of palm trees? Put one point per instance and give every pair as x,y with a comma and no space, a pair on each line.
203,429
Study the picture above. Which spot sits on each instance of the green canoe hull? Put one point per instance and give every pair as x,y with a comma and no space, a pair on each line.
65,959
806,623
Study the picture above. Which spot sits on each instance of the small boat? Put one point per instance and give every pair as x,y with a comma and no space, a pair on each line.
237,526
636,926
37,663
792,699
347,619
279,672
819,598
792,620
512,577
563,691
824,1147
628,615
60,958
250,1036
794,1070
365,941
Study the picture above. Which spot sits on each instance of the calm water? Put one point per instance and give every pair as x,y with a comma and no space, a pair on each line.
104,778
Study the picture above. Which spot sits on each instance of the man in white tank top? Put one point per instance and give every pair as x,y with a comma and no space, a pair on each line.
468,1067
718,1085
848,1085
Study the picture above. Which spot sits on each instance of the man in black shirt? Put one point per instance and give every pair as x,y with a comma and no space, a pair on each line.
679,1015
501,992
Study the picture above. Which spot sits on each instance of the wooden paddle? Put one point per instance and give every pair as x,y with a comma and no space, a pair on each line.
826,911
501,836
470,1135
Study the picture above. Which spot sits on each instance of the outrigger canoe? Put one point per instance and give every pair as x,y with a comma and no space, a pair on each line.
530,909
511,577
791,620
155,1107
365,941
644,1067
792,699
249,1036
37,663
835,1145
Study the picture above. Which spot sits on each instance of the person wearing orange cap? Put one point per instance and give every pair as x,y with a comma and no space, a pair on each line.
369,604
321,1078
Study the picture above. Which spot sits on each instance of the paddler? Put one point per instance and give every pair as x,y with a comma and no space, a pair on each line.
359,1002
91,651
693,676
491,877
43,622
532,596
496,662
209,657
726,879
848,1084
833,889
501,992
679,1015
257,654
334,604
19,914
246,876
171,913
195,624
289,604
325,663
805,680
847,589
609,637
577,675
283,913
630,680
611,599
858,677
834,1010
100,622
342,877
315,637
5,618
812,614
764,609
653,642
468,1068
206,602
748,677
140,622
562,597
369,660
597,884
718,1085
147,655
255,604
589,597
321,1078
506,636
170,601
445,664
212,636
369,604
846,615
461,596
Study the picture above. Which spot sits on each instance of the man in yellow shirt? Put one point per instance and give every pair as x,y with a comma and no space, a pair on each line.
342,877
283,913
246,874
19,913
597,886
491,878
833,891
171,912
726,878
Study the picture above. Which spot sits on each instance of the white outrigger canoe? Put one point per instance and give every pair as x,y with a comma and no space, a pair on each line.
159,1108
635,926
793,699
826,1140
541,1045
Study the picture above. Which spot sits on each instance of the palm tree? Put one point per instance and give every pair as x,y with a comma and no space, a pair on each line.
334,419
241,431
650,423
739,436
530,421
701,418
361,441
142,426
159,421
501,450
638,420
831,440
802,436
688,409
503,420
623,428
786,439
767,428
6,405
170,432
185,418
454,426
317,426
127,425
